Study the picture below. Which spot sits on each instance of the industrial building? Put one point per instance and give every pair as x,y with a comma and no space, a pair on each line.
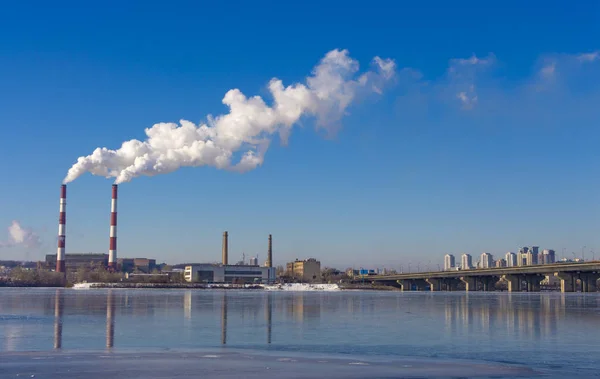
87,260
242,274
142,264
223,273
308,270
75,261
226,273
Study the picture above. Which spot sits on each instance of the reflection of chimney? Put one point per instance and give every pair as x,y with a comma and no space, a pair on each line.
58,314
62,221
110,319
269,315
187,304
225,248
112,250
270,253
224,319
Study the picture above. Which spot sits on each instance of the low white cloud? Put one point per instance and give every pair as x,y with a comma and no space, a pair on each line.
18,235
589,57
474,85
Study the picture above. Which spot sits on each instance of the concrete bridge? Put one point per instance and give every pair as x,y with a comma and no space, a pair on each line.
523,278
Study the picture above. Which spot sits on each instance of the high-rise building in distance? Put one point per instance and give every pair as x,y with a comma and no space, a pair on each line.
549,256
487,260
533,254
522,257
511,259
449,262
466,262
501,263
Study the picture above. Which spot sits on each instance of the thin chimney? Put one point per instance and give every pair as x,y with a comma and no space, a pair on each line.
270,253
112,250
225,249
62,221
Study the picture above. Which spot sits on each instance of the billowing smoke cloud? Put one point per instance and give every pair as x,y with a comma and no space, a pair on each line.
19,235
246,131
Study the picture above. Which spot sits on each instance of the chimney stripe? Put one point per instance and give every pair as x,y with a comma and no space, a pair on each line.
112,249
62,221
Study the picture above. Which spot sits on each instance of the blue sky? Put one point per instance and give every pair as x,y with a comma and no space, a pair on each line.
457,154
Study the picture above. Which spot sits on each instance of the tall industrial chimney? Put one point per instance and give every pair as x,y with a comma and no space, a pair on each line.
62,221
112,250
225,248
270,253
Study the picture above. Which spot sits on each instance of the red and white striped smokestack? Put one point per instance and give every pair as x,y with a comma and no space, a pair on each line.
112,250
62,221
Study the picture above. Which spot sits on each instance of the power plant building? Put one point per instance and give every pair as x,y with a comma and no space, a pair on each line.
242,274
225,273
75,261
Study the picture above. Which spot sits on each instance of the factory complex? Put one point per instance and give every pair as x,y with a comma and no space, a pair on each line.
193,273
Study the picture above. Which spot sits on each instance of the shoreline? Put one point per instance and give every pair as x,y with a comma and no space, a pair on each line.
203,286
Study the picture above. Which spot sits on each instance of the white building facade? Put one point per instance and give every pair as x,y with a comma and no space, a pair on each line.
511,259
210,273
487,260
449,262
466,262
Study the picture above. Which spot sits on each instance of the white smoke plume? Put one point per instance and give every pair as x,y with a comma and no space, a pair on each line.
246,130
19,235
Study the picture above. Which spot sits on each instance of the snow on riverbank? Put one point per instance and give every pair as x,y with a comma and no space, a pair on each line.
87,286
266,287
302,287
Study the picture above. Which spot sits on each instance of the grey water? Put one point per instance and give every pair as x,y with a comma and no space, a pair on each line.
60,333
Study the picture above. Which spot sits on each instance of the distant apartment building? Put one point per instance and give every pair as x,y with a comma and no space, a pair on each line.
487,260
511,259
501,263
466,262
449,262
533,255
549,256
522,257
308,270
254,261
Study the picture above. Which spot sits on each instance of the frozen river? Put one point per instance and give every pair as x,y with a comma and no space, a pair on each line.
101,333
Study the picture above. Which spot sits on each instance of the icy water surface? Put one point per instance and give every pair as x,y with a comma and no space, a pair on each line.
98,333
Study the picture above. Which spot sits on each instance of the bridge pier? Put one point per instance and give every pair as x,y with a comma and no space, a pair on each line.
435,285
470,283
421,284
514,282
488,282
405,284
451,284
568,281
533,282
589,282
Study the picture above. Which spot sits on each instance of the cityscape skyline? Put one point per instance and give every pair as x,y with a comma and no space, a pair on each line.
359,171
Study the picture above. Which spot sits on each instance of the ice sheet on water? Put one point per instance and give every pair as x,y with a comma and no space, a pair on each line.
302,287
247,364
